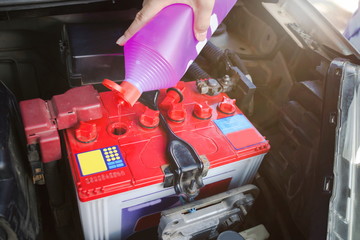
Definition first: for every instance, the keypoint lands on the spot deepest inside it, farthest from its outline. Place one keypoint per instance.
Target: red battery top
(125, 149)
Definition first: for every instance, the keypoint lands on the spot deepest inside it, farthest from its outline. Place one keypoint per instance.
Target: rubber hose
(212, 53)
(196, 72)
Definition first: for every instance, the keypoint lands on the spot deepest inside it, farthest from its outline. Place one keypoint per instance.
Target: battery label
(233, 124)
(100, 160)
(239, 131)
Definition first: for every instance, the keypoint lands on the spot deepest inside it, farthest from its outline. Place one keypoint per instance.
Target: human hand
(202, 13)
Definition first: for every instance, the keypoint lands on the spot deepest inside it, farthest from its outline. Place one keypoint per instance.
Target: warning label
(239, 131)
(233, 124)
(100, 160)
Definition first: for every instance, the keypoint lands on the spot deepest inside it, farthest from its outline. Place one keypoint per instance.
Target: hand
(202, 12)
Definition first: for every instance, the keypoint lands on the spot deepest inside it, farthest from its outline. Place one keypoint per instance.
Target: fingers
(142, 17)
(202, 12)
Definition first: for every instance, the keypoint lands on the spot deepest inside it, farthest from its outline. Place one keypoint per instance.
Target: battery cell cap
(173, 95)
(202, 111)
(86, 132)
(227, 105)
(150, 118)
(177, 112)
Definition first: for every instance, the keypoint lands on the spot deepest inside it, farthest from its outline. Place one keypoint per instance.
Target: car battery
(122, 173)
(118, 171)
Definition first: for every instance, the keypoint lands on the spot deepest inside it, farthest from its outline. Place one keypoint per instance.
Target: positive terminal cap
(202, 111)
(125, 91)
(150, 118)
(86, 132)
(177, 112)
(227, 105)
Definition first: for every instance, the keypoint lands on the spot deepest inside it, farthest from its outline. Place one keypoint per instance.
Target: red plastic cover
(42, 119)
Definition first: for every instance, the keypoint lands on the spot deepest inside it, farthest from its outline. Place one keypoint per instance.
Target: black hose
(196, 72)
(212, 53)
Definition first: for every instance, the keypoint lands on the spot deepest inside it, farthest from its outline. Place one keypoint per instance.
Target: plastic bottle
(159, 54)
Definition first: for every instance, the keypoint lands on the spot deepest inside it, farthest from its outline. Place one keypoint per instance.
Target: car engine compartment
(281, 72)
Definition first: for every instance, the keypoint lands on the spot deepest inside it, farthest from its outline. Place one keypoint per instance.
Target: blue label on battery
(100, 160)
(113, 157)
(233, 124)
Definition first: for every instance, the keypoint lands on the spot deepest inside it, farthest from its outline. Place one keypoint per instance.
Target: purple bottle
(159, 54)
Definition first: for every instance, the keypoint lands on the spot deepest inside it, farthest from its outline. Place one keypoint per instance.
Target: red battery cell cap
(173, 95)
(150, 118)
(86, 132)
(177, 112)
(202, 111)
(227, 106)
(125, 91)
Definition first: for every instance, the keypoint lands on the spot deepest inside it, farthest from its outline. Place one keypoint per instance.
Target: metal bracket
(169, 176)
(205, 218)
(36, 164)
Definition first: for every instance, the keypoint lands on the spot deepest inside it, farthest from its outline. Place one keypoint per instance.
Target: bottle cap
(126, 91)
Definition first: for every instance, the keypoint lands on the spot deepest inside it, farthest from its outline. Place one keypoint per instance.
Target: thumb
(202, 14)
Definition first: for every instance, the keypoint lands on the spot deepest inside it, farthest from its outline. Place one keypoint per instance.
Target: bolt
(212, 82)
(226, 78)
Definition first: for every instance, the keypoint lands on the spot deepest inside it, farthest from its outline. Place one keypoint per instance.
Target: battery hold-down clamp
(186, 168)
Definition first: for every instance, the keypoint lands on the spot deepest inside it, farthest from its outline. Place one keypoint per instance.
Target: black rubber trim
(194, 115)
(177, 121)
(142, 125)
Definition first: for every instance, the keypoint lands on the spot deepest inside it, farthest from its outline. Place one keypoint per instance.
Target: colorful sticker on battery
(239, 131)
(100, 160)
